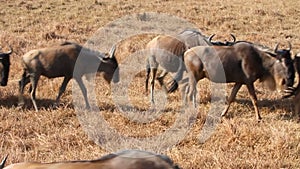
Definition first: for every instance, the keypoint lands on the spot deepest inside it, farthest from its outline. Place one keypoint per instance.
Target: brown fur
(167, 52)
(60, 61)
(242, 64)
(297, 90)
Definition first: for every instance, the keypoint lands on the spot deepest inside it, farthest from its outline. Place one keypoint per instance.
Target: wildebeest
(59, 61)
(167, 52)
(128, 159)
(241, 63)
(4, 66)
(296, 91)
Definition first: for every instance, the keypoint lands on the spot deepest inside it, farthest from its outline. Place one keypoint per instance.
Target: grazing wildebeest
(241, 63)
(4, 66)
(168, 51)
(59, 61)
(128, 159)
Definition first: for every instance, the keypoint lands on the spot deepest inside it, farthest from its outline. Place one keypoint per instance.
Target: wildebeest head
(109, 66)
(284, 56)
(4, 67)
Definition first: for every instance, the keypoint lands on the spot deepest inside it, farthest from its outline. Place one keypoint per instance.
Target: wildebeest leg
(34, 78)
(232, 96)
(154, 70)
(184, 91)
(22, 83)
(192, 90)
(83, 90)
(148, 70)
(62, 88)
(161, 80)
(251, 90)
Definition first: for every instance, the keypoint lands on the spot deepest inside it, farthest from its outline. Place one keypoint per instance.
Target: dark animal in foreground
(4, 66)
(129, 159)
(241, 64)
(60, 61)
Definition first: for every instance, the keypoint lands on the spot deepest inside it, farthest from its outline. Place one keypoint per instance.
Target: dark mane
(191, 31)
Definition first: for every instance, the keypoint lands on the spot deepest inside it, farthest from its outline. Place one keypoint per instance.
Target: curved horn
(276, 48)
(211, 36)
(233, 37)
(112, 51)
(3, 162)
(10, 51)
(290, 46)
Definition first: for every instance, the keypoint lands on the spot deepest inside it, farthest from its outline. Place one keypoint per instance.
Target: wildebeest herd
(191, 55)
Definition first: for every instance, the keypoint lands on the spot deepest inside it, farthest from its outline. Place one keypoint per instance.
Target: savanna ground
(57, 134)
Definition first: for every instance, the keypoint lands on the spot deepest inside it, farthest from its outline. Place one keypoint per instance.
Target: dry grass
(57, 134)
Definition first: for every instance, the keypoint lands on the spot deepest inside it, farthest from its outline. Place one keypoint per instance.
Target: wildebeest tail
(148, 70)
(3, 162)
(177, 78)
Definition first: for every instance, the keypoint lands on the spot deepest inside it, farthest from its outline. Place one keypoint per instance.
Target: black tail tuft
(3, 162)
(174, 86)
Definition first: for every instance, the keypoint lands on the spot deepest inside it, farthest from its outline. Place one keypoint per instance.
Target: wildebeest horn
(290, 46)
(112, 51)
(233, 37)
(10, 51)
(211, 36)
(3, 162)
(276, 48)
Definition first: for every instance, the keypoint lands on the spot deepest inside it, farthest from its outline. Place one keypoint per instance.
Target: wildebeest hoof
(20, 105)
(259, 120)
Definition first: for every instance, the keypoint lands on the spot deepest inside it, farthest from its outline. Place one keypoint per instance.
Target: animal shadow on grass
(282, 104)
(9, 101)
(286, 105)
(43, 104)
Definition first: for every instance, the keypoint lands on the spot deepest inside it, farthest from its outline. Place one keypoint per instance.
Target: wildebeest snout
(116, 76)
(3, 83)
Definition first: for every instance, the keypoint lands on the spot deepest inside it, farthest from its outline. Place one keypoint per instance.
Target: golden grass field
(57, 134)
